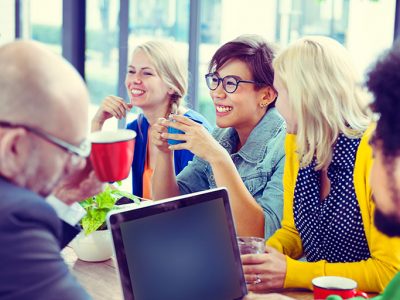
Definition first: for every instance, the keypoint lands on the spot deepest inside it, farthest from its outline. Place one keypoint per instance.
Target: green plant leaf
(98, 206)
(105, 200)
(87, 202)
(93, 220)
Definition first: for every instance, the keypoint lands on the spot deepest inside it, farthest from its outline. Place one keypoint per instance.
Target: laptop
(182, 248)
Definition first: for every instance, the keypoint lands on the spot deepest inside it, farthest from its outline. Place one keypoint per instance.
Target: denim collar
(256, 145)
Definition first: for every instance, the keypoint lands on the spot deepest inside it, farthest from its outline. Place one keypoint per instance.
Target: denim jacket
(260, 163)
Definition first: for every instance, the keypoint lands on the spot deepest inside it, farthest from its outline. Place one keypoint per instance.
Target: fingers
(181, 146)
(116, 106)
(156, 131)
(251, 259)
(174, 136)
(252, 278)
(252, 269)
(184, 120)
(257, 283)
(177, 125)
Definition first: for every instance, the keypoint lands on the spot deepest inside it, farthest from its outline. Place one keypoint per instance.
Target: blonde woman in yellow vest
(328, 207)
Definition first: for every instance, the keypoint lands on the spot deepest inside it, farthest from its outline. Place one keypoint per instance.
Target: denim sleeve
(272, 197)
(193, 178)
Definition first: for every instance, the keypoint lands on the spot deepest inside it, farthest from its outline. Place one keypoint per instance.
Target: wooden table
(101, 280)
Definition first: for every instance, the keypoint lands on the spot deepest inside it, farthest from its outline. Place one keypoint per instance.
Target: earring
(263, 104)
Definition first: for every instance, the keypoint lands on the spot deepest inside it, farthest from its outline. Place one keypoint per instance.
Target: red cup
(346, 288)
(112, 153)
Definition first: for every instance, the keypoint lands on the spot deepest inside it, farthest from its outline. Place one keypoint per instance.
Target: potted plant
(94, 242)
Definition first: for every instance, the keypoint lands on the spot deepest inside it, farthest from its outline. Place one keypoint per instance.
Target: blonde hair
(170, 68)
(324, 95)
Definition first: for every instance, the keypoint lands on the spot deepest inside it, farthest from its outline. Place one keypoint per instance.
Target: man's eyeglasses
(83, 150)
(230, 83)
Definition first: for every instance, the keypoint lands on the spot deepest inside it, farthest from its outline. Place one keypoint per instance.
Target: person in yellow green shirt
(328, 207)
(383, 82)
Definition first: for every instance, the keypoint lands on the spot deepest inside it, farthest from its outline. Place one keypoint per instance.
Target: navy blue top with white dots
(331, 229)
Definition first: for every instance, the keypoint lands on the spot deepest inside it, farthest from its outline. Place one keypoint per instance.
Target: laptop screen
(179, 249)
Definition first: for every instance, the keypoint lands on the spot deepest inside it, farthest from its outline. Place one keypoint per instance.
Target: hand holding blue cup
(176, 131)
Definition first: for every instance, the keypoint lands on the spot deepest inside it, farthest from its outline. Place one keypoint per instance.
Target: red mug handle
(360, 294)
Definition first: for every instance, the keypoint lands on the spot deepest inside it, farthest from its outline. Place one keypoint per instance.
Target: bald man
(43, 128)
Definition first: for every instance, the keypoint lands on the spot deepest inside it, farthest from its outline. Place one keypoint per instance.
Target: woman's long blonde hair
(324, 95)
(170, 68)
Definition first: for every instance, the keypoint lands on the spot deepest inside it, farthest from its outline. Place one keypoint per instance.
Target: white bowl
(96, 246)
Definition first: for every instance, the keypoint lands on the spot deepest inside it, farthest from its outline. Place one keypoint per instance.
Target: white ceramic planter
(97, 246)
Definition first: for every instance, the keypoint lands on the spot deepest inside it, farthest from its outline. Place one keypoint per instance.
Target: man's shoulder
(22, 210)
(32, 266)
(13, 196)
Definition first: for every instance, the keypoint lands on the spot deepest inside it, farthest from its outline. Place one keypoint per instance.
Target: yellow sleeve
(373, 274)
(287, 239)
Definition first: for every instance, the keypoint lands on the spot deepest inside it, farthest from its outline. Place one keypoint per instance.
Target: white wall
(371, 30)
(247, 16)
(7, 21)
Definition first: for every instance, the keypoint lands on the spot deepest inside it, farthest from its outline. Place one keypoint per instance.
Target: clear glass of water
(251, 245)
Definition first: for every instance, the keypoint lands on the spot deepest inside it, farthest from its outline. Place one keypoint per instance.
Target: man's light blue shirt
(260, 163)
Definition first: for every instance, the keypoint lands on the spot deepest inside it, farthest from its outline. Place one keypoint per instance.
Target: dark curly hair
(384, 83)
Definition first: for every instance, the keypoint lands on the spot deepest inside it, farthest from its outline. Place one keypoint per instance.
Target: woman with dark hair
(246, 153)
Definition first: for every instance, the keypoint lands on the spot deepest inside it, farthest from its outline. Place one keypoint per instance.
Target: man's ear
(15, 148)
(268, 95)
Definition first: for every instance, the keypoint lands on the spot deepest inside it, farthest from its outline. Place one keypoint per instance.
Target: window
(159, 19)
(101, 63)
(40, 25)
(7, 23)
(366, 28)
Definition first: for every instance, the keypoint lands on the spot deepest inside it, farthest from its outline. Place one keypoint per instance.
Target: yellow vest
(373, 274)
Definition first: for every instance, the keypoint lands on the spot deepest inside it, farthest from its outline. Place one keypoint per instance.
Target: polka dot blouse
(331, 229)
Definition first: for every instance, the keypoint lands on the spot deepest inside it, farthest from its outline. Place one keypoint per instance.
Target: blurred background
(97, 36)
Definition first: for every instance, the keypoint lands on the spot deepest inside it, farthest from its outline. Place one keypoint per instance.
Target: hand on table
(264, 271)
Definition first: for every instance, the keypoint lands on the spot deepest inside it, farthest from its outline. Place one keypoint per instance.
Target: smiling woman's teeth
(137, 92)
(223, 108)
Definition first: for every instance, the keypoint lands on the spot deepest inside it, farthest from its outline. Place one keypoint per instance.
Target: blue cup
(174, 131)
(177, 131)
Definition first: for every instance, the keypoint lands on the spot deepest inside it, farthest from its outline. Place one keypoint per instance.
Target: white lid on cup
(112, 136)
(334, 282)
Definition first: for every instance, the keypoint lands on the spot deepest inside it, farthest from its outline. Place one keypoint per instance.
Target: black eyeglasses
(83, 150)
(230, 83)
